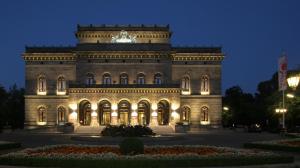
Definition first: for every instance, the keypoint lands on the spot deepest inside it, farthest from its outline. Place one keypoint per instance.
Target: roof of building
(119, 27)
(123, 47)
(49, 49)
(120, 47)
(197, 49)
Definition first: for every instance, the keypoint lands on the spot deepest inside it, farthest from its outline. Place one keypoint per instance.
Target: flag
(282, 73)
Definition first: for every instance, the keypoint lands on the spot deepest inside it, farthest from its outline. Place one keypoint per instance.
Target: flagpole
(283, 117)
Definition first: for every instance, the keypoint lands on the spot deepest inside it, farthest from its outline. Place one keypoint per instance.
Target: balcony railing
(76, 85)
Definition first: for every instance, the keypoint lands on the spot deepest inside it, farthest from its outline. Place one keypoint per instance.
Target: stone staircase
(88, 130)
(162, 129)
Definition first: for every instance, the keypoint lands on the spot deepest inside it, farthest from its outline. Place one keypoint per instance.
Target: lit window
(158, 78)
(61, 111)
(42, 115)
(106, 79)
(204, 114)
(185, 85)
(124, 79)
(61, 86)
(205, 85)
(141, 78)
(90, 79)
(42, 90)
(185, 113)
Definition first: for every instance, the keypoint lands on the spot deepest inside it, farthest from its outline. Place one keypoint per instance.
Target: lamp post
(293, 82)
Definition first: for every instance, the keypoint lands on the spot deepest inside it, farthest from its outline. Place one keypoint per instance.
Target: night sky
(253, 33)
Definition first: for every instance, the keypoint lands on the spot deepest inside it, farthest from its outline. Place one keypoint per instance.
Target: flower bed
(154, 156)
(291, 145)
(157, 150)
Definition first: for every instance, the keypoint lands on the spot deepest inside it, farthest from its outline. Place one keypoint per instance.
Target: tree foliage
(245, 108)
(12, 107)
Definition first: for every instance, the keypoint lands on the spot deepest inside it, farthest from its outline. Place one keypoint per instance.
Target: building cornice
(46, 96)
(198, 57)
(49, 56)
(200, 96)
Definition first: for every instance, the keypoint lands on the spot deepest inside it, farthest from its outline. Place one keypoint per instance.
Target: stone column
(134, 114)
(134, 118)
(73, 117)
(94, 122)
(154, 121)
(153, 115)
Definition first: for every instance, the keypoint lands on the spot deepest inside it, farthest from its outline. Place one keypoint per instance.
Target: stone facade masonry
(149, 53)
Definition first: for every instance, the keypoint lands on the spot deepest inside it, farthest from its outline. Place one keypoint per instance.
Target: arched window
(185, 85)
(204, 114)
(106, 79)
(42, 85)
(141, 78)
(185, 113)
(41, 114)
(205, 85)
(124, 79)
(90, 79)
(61, 85)
(61, 112)
(157, 78)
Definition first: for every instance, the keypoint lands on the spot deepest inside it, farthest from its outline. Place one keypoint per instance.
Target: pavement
(221, 137)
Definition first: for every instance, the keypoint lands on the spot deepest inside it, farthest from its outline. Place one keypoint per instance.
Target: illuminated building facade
(123, 74)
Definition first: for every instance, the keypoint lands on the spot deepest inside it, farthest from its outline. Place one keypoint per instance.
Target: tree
(3, 107)
(241, 107)
(15, 106)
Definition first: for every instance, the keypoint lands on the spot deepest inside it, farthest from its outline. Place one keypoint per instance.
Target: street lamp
(225, 108)
(293, 81)
(289, 95)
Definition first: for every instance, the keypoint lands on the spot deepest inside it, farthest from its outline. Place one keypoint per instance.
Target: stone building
(123, 74)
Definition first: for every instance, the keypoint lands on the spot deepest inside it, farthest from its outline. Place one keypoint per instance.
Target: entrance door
(124, 112)
(143, 112)
(124, 118)
(85, 113)
(163, 112)
(104, 112)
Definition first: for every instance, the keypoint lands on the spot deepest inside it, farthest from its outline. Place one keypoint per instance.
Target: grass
(9, 145)
(147, 163)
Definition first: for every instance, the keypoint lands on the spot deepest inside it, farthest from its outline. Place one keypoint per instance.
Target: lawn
(9, 145)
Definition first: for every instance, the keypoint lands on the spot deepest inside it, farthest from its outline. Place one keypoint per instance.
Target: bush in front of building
(131, 146)
(127, 131)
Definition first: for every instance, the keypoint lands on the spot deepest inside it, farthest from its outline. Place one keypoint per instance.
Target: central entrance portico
(128, 106)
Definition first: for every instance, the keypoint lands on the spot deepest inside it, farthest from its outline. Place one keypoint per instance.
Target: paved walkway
(228, 138)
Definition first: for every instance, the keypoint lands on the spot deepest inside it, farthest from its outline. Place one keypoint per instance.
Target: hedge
(272, 147)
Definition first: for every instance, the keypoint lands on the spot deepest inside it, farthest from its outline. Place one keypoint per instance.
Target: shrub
(131, 146)
(127, 131)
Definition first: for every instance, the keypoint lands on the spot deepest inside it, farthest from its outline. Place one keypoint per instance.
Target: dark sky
(253, 33)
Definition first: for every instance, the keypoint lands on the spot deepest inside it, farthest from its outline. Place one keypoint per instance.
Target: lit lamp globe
(293, 81)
